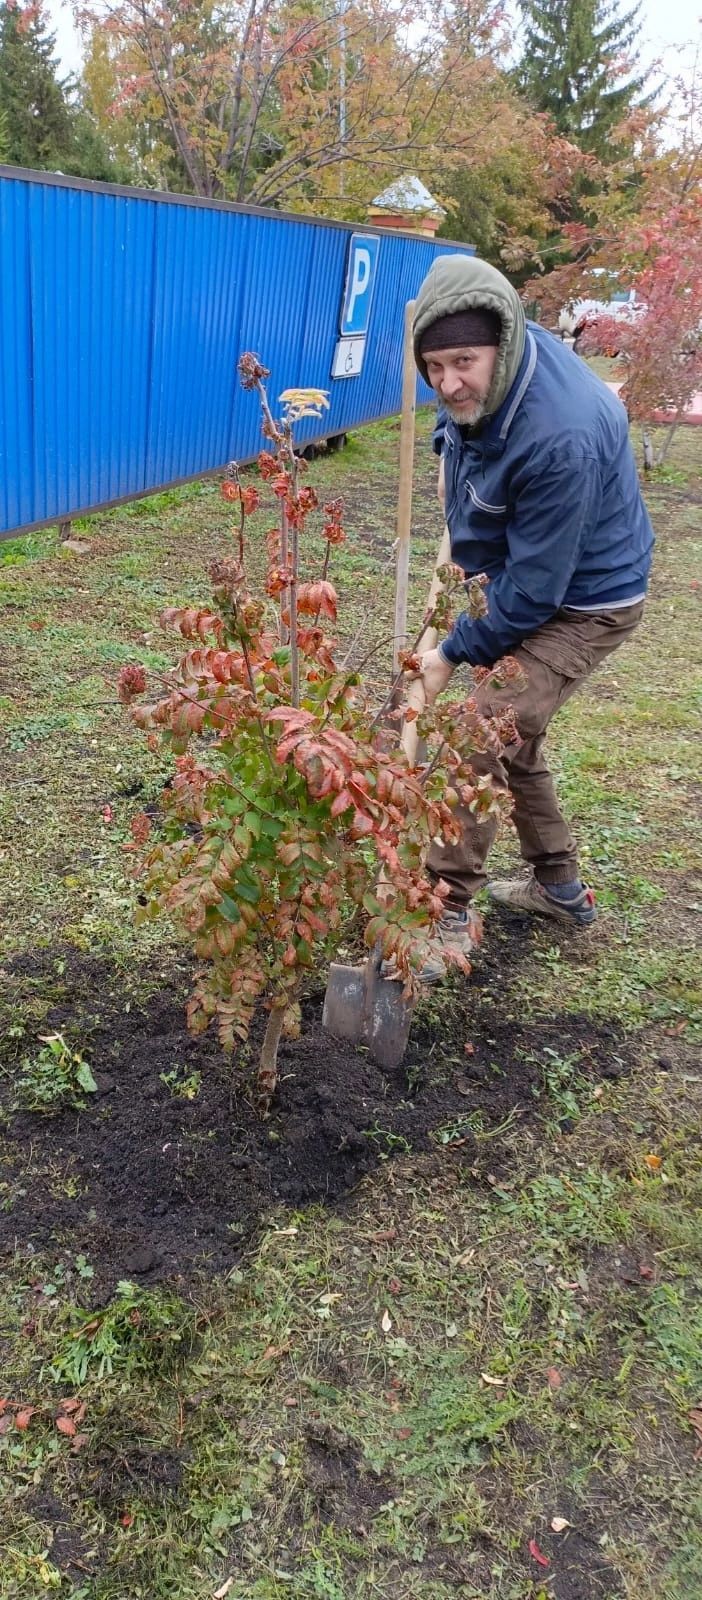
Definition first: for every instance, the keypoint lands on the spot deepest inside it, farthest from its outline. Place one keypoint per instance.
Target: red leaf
(66, 1425)
(126, 1519)
(538, 1554)
(24, 1417)
(554, 1377)
(80, 1440)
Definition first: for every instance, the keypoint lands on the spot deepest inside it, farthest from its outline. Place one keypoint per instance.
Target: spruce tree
(41, 125)
(36, 114)
(579, 65)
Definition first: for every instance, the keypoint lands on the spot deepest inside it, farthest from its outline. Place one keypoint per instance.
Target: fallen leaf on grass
(559, 1523)
(126, 1519)
(69, 1406)
(538, 1554)
(394, 1286)
(654, 1162)
(385, 1236)
(77, 1443)
(5, 1424)
(24, 1417)
(645, 1271)
(554, 1377)
(223, 1589)
(403, 1433)
(66, 1425)
(386, 1322)
(498, 1383)
(469, 1049)
(272, 1351)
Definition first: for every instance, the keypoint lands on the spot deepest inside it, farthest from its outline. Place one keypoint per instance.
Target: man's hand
(436, 674)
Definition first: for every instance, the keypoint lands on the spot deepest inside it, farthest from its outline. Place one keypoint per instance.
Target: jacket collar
(494, 435)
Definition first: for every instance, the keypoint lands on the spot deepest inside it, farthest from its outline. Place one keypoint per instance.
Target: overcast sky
(666, 24)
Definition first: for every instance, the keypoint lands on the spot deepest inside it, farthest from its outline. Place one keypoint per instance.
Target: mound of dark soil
(149, 1185)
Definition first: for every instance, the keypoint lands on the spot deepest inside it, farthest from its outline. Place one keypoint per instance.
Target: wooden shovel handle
(415, 697)
(404, 498)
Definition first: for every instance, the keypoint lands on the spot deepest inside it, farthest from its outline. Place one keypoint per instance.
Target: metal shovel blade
(362, 1006)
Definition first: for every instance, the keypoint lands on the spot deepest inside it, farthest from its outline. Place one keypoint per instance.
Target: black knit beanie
(462, 328)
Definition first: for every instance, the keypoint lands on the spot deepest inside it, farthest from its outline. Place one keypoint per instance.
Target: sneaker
(527, 894)
(462, 930)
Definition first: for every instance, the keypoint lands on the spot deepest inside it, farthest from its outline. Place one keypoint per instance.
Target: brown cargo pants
(555, 661)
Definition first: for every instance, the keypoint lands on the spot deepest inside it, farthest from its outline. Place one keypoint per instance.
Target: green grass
(395, 1397)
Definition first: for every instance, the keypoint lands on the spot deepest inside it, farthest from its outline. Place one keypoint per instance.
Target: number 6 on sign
(348, 358)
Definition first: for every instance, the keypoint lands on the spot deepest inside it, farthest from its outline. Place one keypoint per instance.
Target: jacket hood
(459, 283)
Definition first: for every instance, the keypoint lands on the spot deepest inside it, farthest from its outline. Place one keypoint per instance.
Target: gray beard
(459, 414)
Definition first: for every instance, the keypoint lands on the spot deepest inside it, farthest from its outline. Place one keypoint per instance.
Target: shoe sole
(551, 915)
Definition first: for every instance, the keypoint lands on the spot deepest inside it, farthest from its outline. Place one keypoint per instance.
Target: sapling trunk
(662, 453)
(268, 1059)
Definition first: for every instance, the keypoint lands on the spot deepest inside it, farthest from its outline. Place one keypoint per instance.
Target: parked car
(621, 305)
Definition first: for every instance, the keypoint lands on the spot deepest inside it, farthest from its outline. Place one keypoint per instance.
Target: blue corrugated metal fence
(122, 316)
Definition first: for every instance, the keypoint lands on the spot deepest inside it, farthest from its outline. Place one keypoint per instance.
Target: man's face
(462, 378)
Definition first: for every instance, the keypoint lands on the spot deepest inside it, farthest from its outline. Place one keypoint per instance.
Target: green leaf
(247, 890)
(271, 828)
(229, 909)
(85, 1077)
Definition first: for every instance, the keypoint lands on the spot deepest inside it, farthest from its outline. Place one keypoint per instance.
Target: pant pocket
(567, 648)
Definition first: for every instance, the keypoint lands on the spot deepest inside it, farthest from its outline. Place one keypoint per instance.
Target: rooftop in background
(406, 203)
(409, 195)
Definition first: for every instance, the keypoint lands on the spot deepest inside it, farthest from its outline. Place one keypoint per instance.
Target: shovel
(359, 1004)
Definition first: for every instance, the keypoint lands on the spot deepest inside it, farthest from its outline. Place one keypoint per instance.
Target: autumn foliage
(290, 793)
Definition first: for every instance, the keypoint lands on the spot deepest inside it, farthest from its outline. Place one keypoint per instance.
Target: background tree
(41, 121)
(579, 64)
(645, 231)
(295, 103)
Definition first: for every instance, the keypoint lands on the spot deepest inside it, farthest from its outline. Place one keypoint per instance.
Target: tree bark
(268, 1060)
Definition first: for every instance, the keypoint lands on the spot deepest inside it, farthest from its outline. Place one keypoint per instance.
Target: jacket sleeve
(552, 516)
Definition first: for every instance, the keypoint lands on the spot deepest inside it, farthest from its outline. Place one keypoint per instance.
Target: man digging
(542, 495)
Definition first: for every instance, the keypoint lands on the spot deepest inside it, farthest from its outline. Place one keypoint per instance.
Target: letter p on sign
(360, 282)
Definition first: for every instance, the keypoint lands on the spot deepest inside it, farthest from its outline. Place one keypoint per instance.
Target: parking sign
(360, 283)
(356, 304)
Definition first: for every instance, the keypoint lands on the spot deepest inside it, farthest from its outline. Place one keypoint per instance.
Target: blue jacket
(545, 499)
